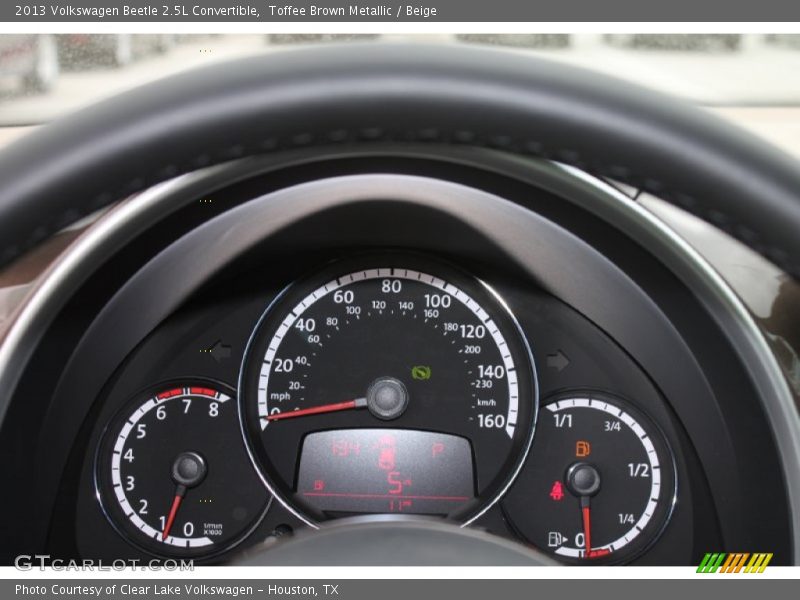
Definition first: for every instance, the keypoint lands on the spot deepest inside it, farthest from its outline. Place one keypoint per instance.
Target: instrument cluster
(385, 382)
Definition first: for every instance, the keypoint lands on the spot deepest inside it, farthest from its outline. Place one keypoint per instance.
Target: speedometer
(388, 385)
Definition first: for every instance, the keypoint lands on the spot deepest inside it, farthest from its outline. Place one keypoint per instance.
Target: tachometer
(172, 475)
(388, 385)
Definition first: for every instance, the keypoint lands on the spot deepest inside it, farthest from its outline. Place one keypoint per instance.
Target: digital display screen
(385, 471)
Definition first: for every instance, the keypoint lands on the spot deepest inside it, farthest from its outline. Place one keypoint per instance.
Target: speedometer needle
(315, 410)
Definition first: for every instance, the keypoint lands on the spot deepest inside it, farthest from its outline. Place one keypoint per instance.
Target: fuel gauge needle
(586, 510)
(583, 480)
(315, 410)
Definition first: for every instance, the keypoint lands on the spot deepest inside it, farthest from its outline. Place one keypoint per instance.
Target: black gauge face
(172, 473)
(599, 483)
(388, 385)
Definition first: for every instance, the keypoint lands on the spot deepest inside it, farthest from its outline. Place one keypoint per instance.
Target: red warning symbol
(557, 491)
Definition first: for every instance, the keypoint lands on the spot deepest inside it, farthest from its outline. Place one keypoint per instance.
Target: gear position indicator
(385, 470)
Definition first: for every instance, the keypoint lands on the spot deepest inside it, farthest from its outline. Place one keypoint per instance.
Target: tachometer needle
(180, 492)
(315, 410)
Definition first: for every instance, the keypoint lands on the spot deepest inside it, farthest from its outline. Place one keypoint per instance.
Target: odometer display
(385, 470)
(423, 349)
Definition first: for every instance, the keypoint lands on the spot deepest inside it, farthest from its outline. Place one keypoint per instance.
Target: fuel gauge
(599, 483)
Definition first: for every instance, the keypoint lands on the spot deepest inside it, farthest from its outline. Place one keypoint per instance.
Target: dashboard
(500, 343)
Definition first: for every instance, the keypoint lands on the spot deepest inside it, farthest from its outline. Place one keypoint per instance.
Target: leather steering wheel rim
(392, 540)
(396, 92)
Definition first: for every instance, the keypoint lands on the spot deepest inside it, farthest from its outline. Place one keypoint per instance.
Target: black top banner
(288, 11)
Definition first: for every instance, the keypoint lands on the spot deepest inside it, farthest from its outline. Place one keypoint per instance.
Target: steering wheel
(392, 540)
(399, 93)
(396, 93)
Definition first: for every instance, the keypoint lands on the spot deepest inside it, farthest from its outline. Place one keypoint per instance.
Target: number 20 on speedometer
(388, 384)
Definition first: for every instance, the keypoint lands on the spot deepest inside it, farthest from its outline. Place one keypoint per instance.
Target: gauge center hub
(387, 398)
(189, 469)
(583, 479)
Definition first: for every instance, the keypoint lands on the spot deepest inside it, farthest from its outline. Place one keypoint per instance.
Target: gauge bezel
(397, 259)
(665, 507)
(111, 510)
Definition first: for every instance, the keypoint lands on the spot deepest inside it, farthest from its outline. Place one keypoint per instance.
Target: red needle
(176, 503)
(586, 511)
(315, 410)
(587, 524)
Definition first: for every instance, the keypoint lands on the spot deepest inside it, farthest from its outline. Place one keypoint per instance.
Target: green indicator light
(421, 372)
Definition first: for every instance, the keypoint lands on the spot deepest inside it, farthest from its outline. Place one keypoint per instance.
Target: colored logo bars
(734, 562)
